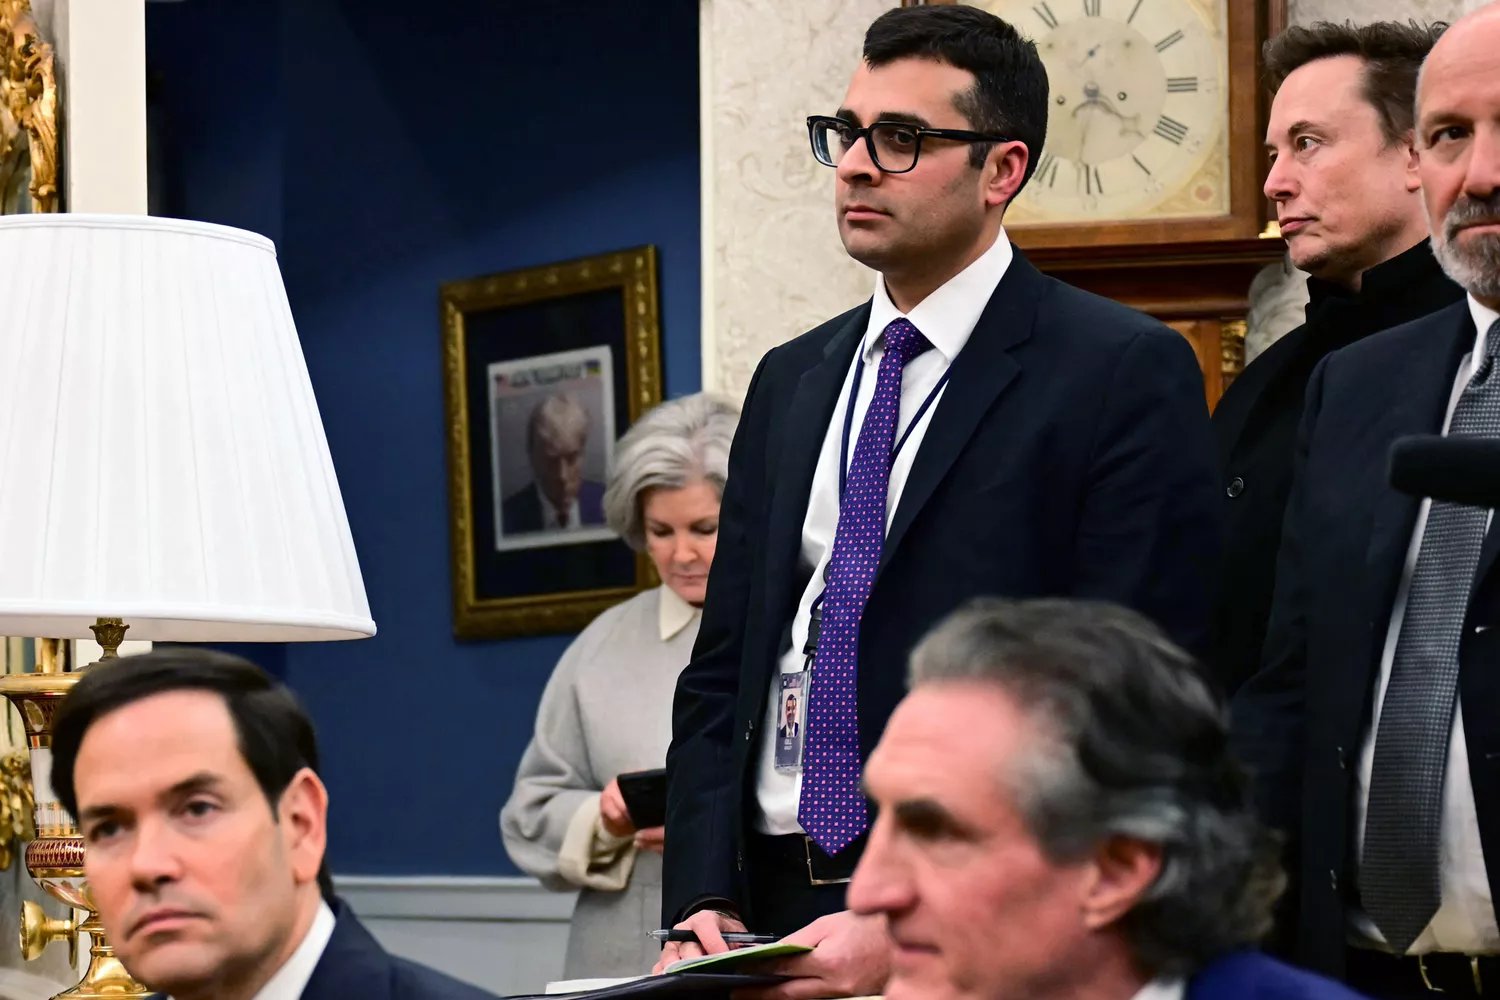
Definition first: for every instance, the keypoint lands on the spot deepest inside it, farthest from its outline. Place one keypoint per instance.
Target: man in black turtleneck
(1344, 179)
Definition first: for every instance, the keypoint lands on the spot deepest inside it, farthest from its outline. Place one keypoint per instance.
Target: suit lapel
(1425, 378)
(801, 437)
(352, 963)
(980, 374)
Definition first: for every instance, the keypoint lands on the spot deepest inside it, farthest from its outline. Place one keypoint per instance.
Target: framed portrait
(545, 368)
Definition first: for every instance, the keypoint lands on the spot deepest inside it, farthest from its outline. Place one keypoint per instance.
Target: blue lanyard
(916, 419)
(815, 612)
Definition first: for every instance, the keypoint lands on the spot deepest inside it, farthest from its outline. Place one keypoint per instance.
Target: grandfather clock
(1148, 188)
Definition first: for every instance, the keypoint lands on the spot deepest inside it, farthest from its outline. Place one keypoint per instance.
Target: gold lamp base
(56, 863)
(55, 857)
(105, 976)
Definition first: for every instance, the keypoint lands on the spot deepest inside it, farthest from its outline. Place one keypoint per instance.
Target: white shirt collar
(673, 614)
(550, 519)
(1484, 318)
(1163, 989)
(950, 313)
(291, 979)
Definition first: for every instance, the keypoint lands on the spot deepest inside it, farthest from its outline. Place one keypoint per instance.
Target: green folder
(736, 957)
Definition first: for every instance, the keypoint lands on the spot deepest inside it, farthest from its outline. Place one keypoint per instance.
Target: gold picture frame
(585, 335)
(29, 115)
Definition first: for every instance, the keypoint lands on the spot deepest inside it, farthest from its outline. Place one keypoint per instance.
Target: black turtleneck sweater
(1256, 427)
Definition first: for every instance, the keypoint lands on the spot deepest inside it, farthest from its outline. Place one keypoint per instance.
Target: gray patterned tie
(1399, 879)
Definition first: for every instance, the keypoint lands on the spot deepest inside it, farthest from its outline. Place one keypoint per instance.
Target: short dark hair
(1009, 96)
(276, 737)
(1392, 54)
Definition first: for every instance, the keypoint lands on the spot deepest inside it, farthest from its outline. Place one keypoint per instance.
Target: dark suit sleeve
(1149, 532)
(1267, 715)
(701, 780)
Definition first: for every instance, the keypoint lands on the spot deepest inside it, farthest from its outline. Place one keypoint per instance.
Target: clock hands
(1093, 98)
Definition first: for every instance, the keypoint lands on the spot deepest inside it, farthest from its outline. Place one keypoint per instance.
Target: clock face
(1138, 109)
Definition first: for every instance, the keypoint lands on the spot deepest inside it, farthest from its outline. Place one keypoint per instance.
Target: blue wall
(389, 147)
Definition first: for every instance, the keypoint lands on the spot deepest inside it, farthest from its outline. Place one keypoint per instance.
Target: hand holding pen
(705, 932)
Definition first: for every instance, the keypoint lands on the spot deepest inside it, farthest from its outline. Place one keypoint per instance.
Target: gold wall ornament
(55, 858)
(29, 114)
(16, 806)
(1232, 349)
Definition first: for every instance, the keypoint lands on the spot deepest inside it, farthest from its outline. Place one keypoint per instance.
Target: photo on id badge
(791, 728)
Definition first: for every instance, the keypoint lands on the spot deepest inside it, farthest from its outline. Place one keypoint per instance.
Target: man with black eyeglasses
(975, 428)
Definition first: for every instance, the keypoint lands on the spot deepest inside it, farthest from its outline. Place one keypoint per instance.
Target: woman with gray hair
(608, 708)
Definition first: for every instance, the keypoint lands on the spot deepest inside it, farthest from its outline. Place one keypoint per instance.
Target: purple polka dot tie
(831, 808)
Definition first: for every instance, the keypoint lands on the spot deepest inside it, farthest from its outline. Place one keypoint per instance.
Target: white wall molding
(505, 935)
(453, 897)
(102, 51)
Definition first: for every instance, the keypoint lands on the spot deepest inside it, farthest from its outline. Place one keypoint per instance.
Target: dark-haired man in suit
(1372, 724)
(974, 428)
(193, 776)
(1343, 177)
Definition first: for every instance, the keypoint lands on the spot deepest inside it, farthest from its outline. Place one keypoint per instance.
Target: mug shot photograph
(552, 420)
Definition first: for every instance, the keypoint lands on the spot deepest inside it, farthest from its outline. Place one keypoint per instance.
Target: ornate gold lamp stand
(55, 857)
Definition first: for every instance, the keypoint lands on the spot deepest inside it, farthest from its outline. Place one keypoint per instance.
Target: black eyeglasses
(893, 146)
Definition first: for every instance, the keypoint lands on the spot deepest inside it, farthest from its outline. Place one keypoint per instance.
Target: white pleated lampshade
(161, 455)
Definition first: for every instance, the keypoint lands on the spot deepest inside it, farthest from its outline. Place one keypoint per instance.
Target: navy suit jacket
(1250, 976)
(1300, 722)
(522, 510)
(354, 965)
(1069, 456)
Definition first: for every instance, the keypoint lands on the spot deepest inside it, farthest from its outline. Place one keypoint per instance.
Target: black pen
(730, 937)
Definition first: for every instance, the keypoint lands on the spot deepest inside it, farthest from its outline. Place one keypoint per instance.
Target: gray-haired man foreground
(1059, 817)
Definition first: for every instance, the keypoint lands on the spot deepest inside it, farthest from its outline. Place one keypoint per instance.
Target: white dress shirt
(1465, 921)
(291, 979)
(1163, 989)
(552, 520)
(945, 318)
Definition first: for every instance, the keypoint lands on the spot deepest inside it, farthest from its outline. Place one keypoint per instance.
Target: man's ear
(1413, 161)
(1005, 170)
(303, 816)
(1123, 869)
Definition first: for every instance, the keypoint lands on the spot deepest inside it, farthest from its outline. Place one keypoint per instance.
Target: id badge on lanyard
(792, 697)
(791, 712)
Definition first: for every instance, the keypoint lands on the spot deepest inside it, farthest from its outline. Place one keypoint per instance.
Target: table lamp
(163, 474)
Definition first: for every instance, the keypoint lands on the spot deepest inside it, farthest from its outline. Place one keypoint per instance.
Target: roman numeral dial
(1137, 111)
